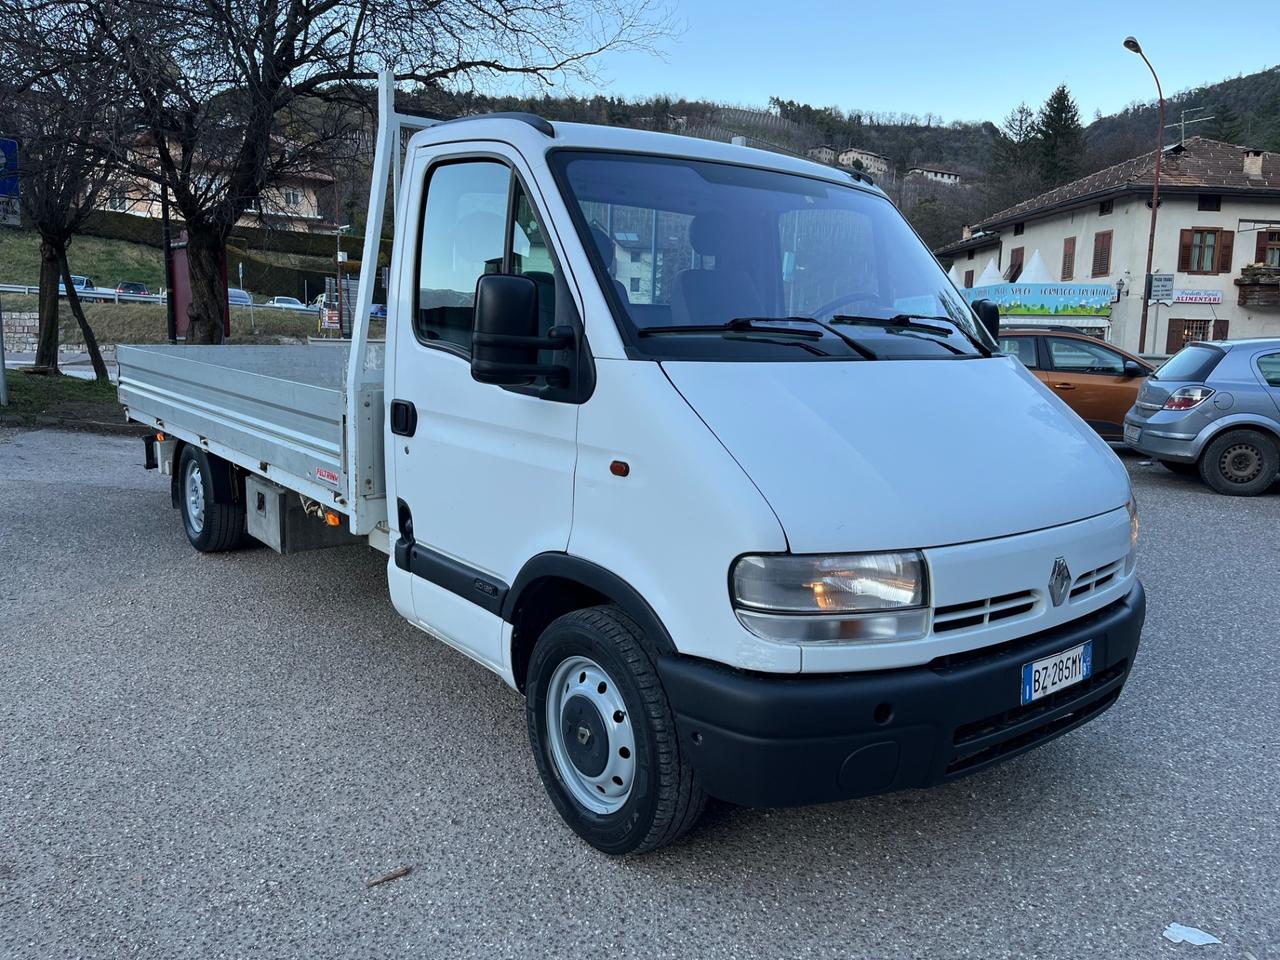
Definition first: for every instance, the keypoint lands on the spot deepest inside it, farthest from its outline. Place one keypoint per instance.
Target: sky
(962, 61)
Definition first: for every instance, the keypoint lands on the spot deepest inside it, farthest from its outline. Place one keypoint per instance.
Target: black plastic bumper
(769, 740)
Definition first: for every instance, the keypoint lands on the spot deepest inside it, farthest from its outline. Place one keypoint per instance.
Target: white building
(823, 154)
(934, 175)
(873, 163)
(1219, 216)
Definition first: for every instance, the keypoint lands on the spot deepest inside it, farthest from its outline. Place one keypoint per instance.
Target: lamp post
(1131, 44)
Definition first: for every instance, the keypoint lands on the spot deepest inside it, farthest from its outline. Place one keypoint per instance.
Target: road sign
(10, 211)
(1161, 288)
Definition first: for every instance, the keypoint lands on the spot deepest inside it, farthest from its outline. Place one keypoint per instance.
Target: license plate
(1043, 677)
(1132, 434)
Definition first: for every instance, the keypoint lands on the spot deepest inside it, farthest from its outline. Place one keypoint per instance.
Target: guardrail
(94, 295)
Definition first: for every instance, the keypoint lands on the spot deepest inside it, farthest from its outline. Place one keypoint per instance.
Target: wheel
(211, 527)
(604, 737)
(1186, 469)
(1240, 463)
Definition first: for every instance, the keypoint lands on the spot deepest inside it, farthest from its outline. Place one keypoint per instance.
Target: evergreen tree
(1061, 137)
(1227, 125)
(1014, 172)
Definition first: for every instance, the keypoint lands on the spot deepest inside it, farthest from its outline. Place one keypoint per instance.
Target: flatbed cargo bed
(275, 410)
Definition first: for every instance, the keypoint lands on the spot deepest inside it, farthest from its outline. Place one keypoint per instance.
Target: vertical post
(4, 381)
(1132, 45)
(171, 319)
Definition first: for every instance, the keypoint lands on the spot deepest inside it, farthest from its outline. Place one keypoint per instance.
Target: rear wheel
(1186, 469)
(604, 737)
(1241, 463)
(211, 527)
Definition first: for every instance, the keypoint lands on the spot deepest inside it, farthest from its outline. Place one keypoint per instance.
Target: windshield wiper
(863, 351)
(736, 325)
(913, 321)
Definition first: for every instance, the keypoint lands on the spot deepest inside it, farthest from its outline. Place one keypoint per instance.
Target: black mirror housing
(505, 341)
(1132, 368)
(989, 313)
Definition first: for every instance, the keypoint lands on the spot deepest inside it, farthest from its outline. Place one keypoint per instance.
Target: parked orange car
(1097, 380)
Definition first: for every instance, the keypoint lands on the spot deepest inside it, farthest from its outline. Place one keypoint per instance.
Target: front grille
(977, 613)
(1094, 580)
(1084, 708)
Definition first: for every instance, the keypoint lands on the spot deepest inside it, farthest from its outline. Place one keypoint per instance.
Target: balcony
(1259, 287)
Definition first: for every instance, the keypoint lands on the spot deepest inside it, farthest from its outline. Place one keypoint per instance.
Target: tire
(612, 764)
(211, 527)
(1240, 463)
(1185, 469)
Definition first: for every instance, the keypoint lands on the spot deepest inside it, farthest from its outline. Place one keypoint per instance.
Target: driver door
(482, 475)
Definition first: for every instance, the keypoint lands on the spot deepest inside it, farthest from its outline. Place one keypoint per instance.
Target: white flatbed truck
(696, 446)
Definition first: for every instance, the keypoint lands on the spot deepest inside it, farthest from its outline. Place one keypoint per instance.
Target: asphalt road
(209, 756)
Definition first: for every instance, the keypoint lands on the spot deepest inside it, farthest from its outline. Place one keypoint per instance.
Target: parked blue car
(1214, 409)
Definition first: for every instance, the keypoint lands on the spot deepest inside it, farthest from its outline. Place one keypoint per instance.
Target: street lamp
(1131, 44)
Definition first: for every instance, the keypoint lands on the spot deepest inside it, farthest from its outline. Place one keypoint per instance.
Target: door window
(462, 239)
(1024, 348)
(1081, 356)
(1269, 367)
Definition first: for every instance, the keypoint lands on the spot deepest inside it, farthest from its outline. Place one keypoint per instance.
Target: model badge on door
(1059, 581)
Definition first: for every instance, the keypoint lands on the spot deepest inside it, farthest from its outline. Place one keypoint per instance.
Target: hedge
(115, 225)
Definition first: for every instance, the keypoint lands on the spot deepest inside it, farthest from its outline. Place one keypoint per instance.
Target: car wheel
(603, 735)
(211, 527)
(1186, 469)
(1240, 463)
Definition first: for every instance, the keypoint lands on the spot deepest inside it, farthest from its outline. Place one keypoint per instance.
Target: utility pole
(1133, 46)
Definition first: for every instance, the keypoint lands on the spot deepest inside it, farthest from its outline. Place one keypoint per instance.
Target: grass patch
(35, 399)
(106, 261)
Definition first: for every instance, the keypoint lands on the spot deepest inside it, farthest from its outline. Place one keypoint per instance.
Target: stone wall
(21, 331)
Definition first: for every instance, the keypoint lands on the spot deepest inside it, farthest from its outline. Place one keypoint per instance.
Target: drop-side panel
(275, 405)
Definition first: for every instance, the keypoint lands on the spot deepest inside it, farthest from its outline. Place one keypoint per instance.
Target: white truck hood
(904, 453)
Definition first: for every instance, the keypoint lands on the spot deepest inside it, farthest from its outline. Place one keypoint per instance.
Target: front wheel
(604, 737)
(1240, 463)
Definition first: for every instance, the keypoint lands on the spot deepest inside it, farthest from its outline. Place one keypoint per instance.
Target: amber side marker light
(159, 438)
(620, 468)
(331, 518)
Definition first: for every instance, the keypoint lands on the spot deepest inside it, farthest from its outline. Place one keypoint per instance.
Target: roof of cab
(527, 136)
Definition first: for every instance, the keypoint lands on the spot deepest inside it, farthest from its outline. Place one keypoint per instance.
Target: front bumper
(761, 740)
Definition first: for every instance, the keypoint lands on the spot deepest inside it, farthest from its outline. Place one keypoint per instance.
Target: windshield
(707, 260)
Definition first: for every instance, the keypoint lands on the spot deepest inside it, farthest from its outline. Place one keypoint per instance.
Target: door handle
(404, 418)
(1064, 386)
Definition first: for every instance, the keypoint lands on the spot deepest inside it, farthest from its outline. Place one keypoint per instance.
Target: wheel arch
(1238, 422)
(552, 584)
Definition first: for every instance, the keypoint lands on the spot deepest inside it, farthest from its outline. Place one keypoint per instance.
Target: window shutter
(1226, 246)
(1102, 253)
(968, 279)
(1175, 339)
(1220, 328)
(1068, 258)
(1184, 251)
(1015, 264)
(1260, 251)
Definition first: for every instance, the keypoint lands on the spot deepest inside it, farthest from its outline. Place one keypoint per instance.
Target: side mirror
(1132, 368)
(505, 344)
(989, 313)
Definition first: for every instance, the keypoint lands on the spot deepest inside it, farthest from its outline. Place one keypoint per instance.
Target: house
(1217, 233)
(873, 163)
(292, 203)
(823, 154)
(934, 175)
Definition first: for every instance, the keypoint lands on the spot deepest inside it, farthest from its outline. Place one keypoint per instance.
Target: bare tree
(61, 112)
(237, 94)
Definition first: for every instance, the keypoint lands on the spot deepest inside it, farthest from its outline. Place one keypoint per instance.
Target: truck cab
(697, 447)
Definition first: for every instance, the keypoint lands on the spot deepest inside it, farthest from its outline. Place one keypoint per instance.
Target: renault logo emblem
(1059, 581)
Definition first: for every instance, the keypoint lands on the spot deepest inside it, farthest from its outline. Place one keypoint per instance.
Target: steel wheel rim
(1240, 463)
(194, 487)
(578, 686)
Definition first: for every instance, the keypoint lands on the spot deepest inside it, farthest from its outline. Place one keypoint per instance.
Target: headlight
(838, 598)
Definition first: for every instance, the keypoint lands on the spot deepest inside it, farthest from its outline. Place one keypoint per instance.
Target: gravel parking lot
(208, 756)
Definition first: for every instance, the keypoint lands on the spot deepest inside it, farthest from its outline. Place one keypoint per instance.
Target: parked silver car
(1214, 409)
